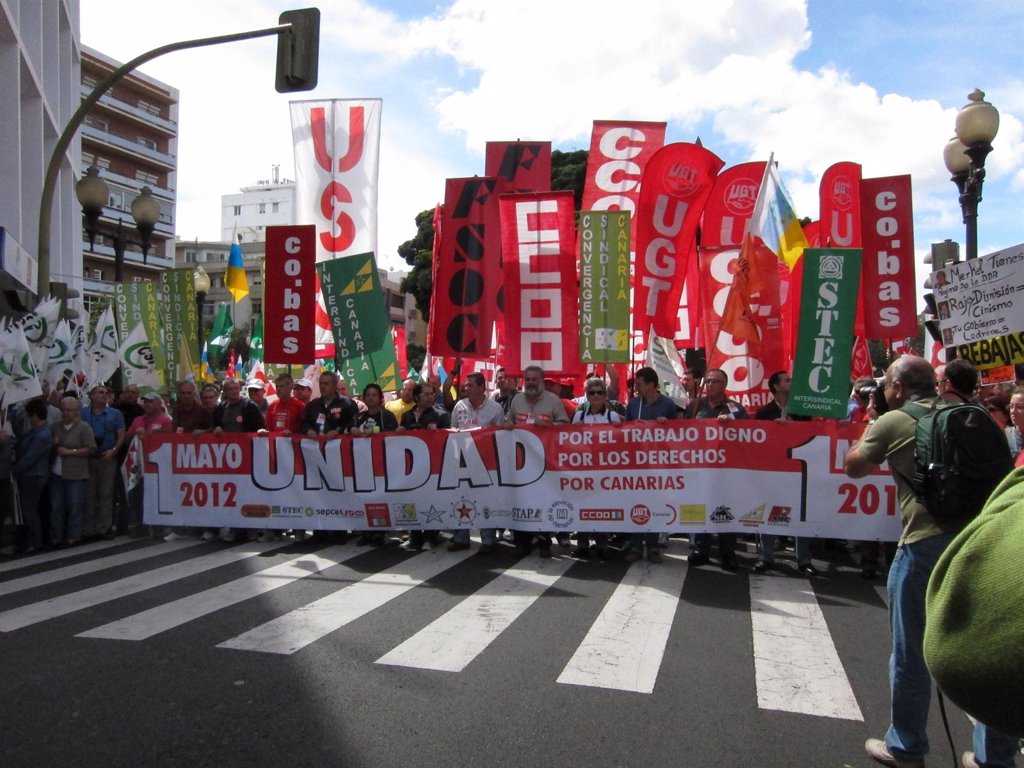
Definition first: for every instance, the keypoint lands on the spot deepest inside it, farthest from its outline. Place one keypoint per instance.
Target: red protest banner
(289, 299)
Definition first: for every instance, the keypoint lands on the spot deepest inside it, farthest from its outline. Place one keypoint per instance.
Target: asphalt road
(142, 653)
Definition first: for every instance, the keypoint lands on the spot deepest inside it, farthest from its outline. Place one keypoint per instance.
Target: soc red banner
(467, 274)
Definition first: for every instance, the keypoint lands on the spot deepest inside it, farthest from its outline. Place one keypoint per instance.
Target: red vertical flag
(289, 301)
(524, 166)
(468, 274)
(888, 286)
(619, 152)
(539, 252)
(676, 186)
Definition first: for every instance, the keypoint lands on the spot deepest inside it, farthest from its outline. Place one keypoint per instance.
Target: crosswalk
(622, 646)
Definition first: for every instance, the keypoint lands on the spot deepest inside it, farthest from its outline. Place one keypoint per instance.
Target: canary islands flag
(234, 278)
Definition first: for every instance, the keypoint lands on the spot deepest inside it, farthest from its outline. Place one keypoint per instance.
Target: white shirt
(465, 416)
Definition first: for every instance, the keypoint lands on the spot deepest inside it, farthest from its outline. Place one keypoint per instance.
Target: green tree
(568, 172)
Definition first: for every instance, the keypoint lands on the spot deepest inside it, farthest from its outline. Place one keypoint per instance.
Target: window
(147, 142)
(89, 81)
(147, 178)
(238, 210)
(116, 199)
(274, 207)
(98, 124)
(103, 163)
(263, 207)
(256, 308)
(145, 106)
(190, 257)
(88, 159)
(96, 274)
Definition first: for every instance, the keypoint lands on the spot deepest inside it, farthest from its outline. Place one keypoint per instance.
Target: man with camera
(892, 437)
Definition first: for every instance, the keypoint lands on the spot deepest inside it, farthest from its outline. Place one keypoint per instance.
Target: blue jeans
(766, 549)
(67, 506)
(30, 491)
(911, 685)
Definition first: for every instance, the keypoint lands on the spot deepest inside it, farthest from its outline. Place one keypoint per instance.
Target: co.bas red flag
(888, 287)
(539, 254)
(676, 186)
(467, 274)
(289, 302)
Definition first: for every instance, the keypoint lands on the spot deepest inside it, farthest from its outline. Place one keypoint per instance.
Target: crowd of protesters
(66, 452)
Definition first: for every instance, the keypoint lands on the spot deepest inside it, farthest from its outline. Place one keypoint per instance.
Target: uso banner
(619, 152)
(337, 146)
(604, 286)
(525, 166)
(364, 349)
(539, 256)
(676, 185)
(289, 295)
(888, 288)
(467, 269)
(679, 477)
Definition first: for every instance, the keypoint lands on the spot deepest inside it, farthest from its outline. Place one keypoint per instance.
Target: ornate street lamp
(976, 126)
(92, 194)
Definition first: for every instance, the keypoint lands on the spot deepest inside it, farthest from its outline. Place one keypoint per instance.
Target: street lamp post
(92, 193)
(976, 126)
(202, 284)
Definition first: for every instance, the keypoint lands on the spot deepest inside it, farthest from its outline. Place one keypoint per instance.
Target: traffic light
(298, 51)
(943, 254)
(65, 295)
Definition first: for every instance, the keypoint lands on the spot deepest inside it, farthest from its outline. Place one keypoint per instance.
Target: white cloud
(478, 70)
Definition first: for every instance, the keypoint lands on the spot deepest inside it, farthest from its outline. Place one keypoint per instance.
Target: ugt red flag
(676, 186)
(539, 255)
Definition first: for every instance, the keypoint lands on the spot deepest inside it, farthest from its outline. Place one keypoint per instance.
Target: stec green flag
(828, 306)
(364, 349)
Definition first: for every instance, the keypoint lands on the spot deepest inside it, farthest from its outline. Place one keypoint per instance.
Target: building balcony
(133, 148)
(143, 117)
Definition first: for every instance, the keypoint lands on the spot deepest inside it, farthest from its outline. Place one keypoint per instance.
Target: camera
(876, 389)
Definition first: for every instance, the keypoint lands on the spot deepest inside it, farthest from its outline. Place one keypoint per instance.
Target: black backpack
(960, 455)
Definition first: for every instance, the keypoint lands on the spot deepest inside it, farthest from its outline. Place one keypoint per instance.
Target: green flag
(220, 333)
(256, 342)
(365, 351)
(828, 306)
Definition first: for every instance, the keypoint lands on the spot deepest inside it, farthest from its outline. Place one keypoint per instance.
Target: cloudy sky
(874, 82)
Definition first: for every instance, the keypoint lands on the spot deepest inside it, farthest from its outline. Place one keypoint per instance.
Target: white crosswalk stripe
(164, 617)
(795, 666)
(91, 566)
(796, 663)
(624, 647)
(451, 642)
(294, 631)
(33, 613)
